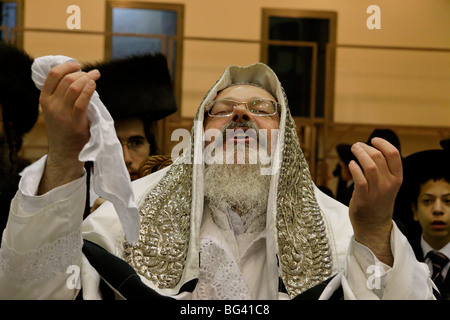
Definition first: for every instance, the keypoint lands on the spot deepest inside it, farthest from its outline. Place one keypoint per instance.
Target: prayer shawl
(167, 252)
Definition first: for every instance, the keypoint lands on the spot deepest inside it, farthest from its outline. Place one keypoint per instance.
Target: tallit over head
(167, 252)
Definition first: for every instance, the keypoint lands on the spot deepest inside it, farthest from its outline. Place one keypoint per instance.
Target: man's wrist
(378, 240)
(59, 171)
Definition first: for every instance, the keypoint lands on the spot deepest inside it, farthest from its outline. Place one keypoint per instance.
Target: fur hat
(136, 86)
(19, 97)
(345, 153)
(445, 144)
(386, 134)
(344, 149)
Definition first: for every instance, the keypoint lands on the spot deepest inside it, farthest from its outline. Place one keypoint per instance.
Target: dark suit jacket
(415, 244)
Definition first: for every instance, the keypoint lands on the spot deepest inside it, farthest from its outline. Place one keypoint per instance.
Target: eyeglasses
(135, 145)
(258, 107)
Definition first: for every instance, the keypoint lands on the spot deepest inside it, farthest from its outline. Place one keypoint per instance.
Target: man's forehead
(245, 90)
(129, 127)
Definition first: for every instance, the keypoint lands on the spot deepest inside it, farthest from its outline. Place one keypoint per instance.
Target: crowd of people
(211, 230)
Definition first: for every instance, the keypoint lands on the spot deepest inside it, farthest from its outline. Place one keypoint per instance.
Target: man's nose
(126, 155)
(438, 208)
(241, 113)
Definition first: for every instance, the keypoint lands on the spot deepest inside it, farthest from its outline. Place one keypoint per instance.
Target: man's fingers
(72, 84)
(368, 159)
(82, 102)
(56, 74)
(74, 91)
(391, 154)
(380, 165)
(359, 179)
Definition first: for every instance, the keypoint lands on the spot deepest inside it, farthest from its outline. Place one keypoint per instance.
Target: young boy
(426, 188)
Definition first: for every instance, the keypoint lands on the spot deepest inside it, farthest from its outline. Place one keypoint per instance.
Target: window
(11, 14)
(156, 26)
(301, 62)
(144, 21)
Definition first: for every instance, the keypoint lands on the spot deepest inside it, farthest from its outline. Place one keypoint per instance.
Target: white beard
(241, 192)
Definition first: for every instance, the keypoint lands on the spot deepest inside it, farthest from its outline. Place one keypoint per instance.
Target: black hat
(345, 153)
(19, 97)
(445, 144)
(386, 134)
(424, 165)
(136, 86)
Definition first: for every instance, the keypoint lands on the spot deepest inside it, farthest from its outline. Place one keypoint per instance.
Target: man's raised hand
(64, 100)
(377, 180)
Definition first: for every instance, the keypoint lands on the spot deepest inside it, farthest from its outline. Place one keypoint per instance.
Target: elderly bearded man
(214, 231)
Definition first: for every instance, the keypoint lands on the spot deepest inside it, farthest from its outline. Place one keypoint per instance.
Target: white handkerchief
(111, 180)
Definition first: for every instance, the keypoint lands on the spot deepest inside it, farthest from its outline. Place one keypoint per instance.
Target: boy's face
(432, 211)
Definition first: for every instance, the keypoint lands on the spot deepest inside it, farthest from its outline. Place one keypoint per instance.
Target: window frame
(330, 54)
(17, 36)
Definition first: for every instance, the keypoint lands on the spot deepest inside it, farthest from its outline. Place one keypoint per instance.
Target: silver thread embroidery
(160, 253)
(303, 245)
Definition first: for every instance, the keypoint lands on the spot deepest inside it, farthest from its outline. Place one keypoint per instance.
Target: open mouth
(240, 135)
(438, 224)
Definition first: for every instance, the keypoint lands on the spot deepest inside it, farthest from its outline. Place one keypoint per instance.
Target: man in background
(138, 92)
(19, 109)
